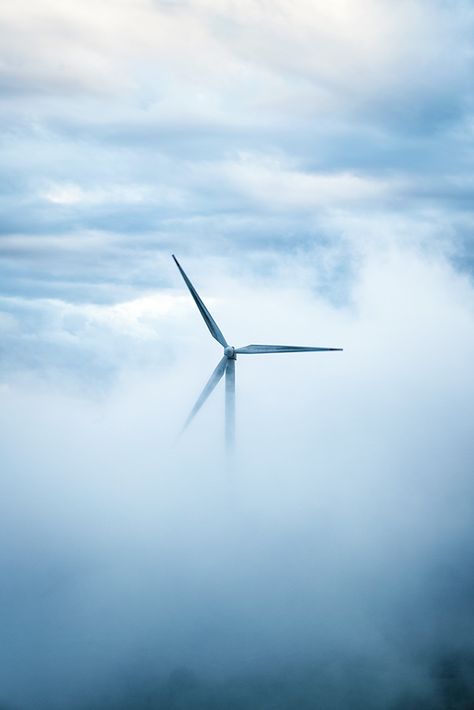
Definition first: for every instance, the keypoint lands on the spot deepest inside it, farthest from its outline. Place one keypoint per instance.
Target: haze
(311, 167)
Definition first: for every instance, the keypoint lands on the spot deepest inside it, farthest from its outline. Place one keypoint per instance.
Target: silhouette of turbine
(227, 364)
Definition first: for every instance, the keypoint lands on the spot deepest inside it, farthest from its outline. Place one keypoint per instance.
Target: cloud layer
(311, 165)
(137, 126)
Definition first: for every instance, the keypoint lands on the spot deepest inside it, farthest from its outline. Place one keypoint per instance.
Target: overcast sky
(310, 163)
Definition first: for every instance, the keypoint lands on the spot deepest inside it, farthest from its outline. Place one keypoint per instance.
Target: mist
(310, 164)
(327, 565)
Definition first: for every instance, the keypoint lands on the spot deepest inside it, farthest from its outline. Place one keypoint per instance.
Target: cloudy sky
(310, 163)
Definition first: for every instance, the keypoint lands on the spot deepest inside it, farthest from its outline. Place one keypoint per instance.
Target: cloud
(71, 194)
(343, 532)
(175, 124)
(311, 166)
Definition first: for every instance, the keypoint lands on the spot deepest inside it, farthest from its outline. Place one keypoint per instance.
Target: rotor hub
(229, 352)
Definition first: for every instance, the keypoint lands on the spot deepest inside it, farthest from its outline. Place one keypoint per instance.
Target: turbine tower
(227, 364)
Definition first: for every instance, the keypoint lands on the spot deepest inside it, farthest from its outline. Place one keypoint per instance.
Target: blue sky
(310, 163)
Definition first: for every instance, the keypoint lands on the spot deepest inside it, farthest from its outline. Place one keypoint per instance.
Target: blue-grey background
(310, 163)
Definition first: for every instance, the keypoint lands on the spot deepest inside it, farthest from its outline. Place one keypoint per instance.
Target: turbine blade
(208, 388)
(208, 319)
(257, 349)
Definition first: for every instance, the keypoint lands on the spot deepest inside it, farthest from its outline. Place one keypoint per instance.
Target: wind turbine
(227, 364)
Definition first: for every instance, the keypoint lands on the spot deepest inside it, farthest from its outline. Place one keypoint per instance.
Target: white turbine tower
(227, 364)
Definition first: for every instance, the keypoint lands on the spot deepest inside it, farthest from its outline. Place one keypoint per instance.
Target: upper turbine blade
(257, 349)
(209, 386)
(209, 320)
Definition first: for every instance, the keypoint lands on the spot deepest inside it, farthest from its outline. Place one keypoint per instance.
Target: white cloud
(73, 194)
(271, 183)
(349, 51)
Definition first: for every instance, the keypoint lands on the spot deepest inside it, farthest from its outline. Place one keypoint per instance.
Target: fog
(327, 565)
(310, 164)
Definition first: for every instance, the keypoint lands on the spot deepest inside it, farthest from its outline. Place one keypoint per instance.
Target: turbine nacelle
(229, 352)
